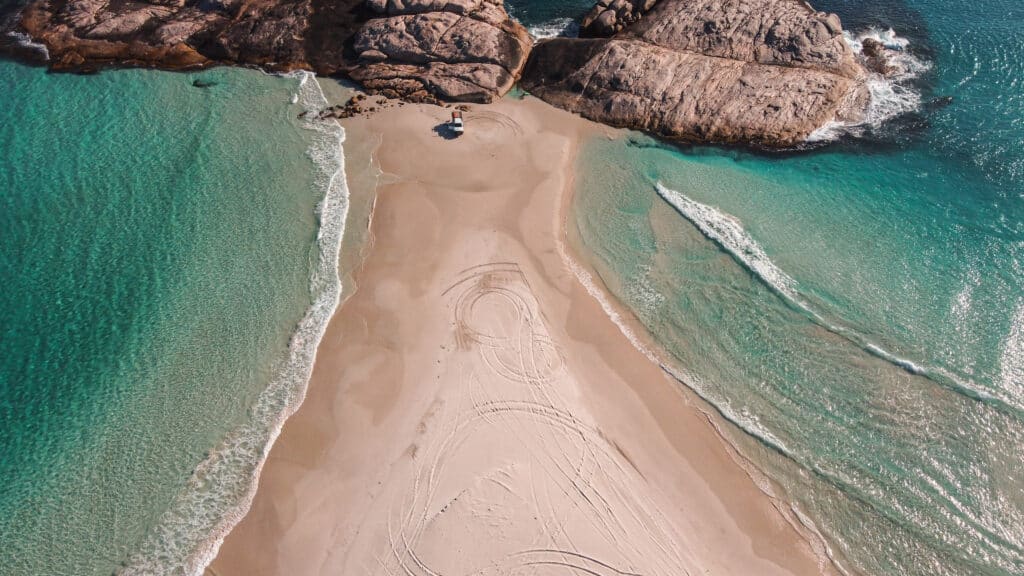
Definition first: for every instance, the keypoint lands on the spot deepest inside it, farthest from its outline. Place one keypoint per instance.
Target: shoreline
(573, 253)
(216, 493)
(577, 351)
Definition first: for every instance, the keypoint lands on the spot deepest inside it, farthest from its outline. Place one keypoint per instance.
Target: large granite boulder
(761, 72)
(274, 34)
(466, 50)
(469, 50)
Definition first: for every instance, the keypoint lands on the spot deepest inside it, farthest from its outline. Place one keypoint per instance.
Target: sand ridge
(474, 411)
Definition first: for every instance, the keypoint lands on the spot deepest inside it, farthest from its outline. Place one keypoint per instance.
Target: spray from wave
(25, 41)
(890, 85)
(222, 487)
(729, 234)
(557, 28)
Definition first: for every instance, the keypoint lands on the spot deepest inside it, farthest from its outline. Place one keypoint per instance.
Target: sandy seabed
(474, 411)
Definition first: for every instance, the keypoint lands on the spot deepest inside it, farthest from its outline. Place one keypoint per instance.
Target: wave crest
(557, 28)
(729, 234)
(220, 491)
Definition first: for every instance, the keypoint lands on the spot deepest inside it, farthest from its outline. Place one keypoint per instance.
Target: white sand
(473, 409)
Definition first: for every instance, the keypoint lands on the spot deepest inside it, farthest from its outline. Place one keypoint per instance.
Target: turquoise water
(857, 312)
(167, 268)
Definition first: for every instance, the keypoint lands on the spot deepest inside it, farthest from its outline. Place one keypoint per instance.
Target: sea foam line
(745, 422)
(728, 233)
(220, 491)
(749, 425)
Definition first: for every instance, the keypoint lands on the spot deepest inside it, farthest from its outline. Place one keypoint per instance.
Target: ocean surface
(169, 260)
(854, 312)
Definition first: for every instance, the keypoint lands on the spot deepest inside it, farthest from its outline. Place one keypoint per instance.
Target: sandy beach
(473, 408)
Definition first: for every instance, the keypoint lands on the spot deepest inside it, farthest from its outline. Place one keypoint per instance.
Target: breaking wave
(557, 28)
(728, 233)
(891, 95)
(25, 41)
(222, 487)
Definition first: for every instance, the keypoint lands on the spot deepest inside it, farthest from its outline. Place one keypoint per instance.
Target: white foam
(728, 232)
(558, 28)
(901, 362)
(891, 95)
(25, 41)
(221, 489)
(745, 422)
(1011, 365)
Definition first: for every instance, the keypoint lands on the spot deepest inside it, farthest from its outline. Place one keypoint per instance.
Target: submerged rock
(761, 72)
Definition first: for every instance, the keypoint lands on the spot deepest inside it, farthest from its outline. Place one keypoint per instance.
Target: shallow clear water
(858, 311)
(157, 244)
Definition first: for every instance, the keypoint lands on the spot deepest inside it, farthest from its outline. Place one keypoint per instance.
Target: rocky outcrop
(609, 17)
(762, 72)
(84, 35)
(415, 49)
(467, 50)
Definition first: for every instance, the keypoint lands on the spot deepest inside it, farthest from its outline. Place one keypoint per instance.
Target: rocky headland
(418, 50)
(758, 72)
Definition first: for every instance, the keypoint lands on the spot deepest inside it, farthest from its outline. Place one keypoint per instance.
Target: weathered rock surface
(417, 49)
(85, 35)
(608, 17)
(762, 72)
(467, 50)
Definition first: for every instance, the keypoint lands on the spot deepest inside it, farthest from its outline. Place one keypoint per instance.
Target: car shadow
(444, 130)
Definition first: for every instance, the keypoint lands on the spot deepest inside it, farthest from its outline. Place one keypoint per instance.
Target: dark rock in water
(199, 83)
(609, 17)
(876, 57)
(872, 48)
(938, 103)
(707, 71)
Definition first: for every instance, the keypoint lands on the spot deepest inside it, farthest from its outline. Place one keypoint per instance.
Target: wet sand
(474, 410)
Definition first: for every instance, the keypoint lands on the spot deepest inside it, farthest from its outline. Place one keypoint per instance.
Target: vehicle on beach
(456, 123)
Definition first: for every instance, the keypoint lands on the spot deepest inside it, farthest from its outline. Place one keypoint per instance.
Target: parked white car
(456, 124)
